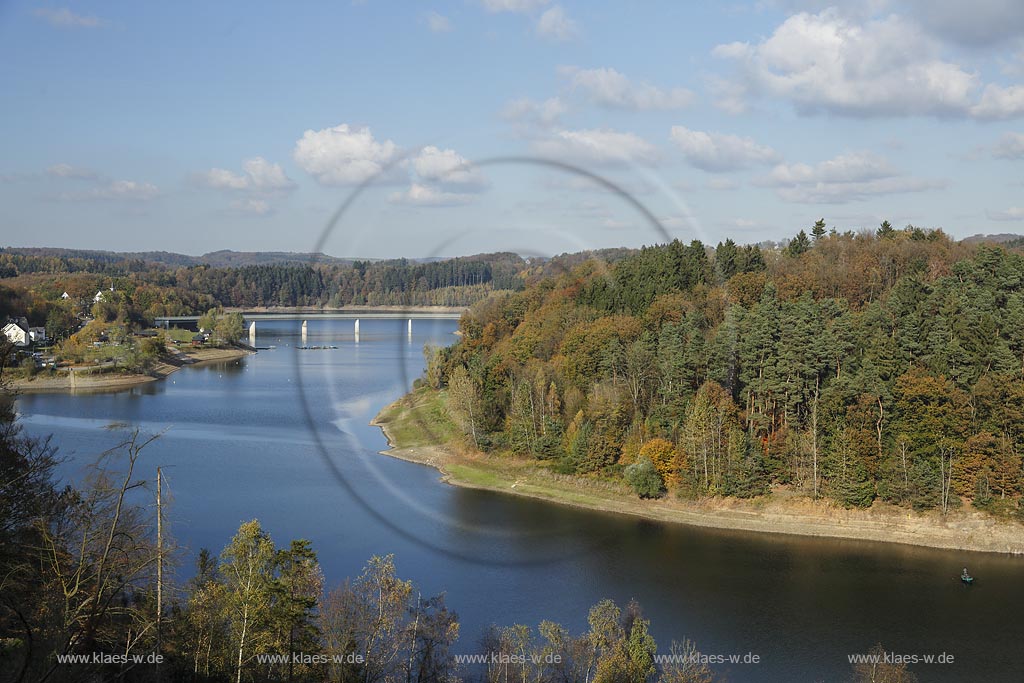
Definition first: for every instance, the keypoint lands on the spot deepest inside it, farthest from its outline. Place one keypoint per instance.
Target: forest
(87, 595)
(885, 365)
(137, 290)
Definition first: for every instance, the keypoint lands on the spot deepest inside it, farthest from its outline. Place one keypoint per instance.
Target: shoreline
(86, 382)
(969, 530)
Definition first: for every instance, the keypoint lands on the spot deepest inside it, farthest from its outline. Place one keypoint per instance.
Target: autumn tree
(247, 565)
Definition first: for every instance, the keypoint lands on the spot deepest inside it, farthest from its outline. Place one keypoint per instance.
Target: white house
(99, 294)
(37, 334)
(65, 295)
(16, 334)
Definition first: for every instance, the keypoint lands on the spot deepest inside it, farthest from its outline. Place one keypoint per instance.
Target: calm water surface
(238, 445)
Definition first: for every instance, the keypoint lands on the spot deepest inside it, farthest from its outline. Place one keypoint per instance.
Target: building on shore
(17, 334)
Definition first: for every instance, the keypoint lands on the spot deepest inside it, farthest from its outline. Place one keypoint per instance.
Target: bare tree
(100, 556)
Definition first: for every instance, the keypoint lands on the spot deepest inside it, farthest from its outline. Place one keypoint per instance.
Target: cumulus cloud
(610, 88)
(438, 23)
(998, 102)
(555, 24)
(446, 167)
(1010, 146)
(258, 176)
(128, 190)
(847, 177)
(343, 155)
(979, 23)
(526, 111)
(719, 153)
(601, 146)
(440, 177)
(1014, 213)
(65, 18)
(829, 62)
(425, 195)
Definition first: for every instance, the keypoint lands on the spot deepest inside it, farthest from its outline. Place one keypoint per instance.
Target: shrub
(644, 478)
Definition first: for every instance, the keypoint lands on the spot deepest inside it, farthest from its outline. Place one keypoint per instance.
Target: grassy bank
(418, 429)
(85, 380)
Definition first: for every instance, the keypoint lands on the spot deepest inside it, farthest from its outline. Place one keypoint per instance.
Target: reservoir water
(239, 443)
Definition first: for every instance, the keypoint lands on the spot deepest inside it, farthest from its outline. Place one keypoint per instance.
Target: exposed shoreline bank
(968, 530)
(86, 382)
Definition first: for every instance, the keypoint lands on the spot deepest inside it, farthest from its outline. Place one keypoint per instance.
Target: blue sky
(192, 127)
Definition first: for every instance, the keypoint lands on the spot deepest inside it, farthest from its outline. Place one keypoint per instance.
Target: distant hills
(227, 258)
(224, 258)
(1002, 238)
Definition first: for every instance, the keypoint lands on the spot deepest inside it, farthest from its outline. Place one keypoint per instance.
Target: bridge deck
(389, 315)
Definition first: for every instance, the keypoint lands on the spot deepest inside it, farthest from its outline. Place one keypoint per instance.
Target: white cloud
(513, 5)
(827, 62)
(596, 146)
(440, 177)
(555, 24)
(343, 155)
(249, 205)
(1010, 146)
(527, 111)
(610, 88)
(426, 195)
(258, 176)
(848, 177)
(1014, 213)
(65, 18)
(718, 153)
(978, 23)
(447, 168)
(128, 190)
(438, 23)
(998, 102)
(71, 172)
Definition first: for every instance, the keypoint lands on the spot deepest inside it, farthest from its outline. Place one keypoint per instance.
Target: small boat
(966, 578)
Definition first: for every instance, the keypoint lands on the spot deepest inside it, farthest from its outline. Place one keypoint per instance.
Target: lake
(239, 443)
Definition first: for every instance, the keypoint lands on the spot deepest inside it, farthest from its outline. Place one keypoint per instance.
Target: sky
(384, 129)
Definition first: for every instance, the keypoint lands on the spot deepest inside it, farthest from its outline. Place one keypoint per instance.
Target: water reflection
(237, 447)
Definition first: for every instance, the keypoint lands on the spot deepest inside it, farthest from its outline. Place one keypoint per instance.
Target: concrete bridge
(189, 320)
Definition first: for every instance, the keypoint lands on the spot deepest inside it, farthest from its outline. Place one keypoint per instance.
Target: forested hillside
(886, 365)
(136, 290)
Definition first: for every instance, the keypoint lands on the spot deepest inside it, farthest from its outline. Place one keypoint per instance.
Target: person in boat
(965, 575)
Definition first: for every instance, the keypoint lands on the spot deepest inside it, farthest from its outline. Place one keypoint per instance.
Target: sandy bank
(778, 513)
(85, 382)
